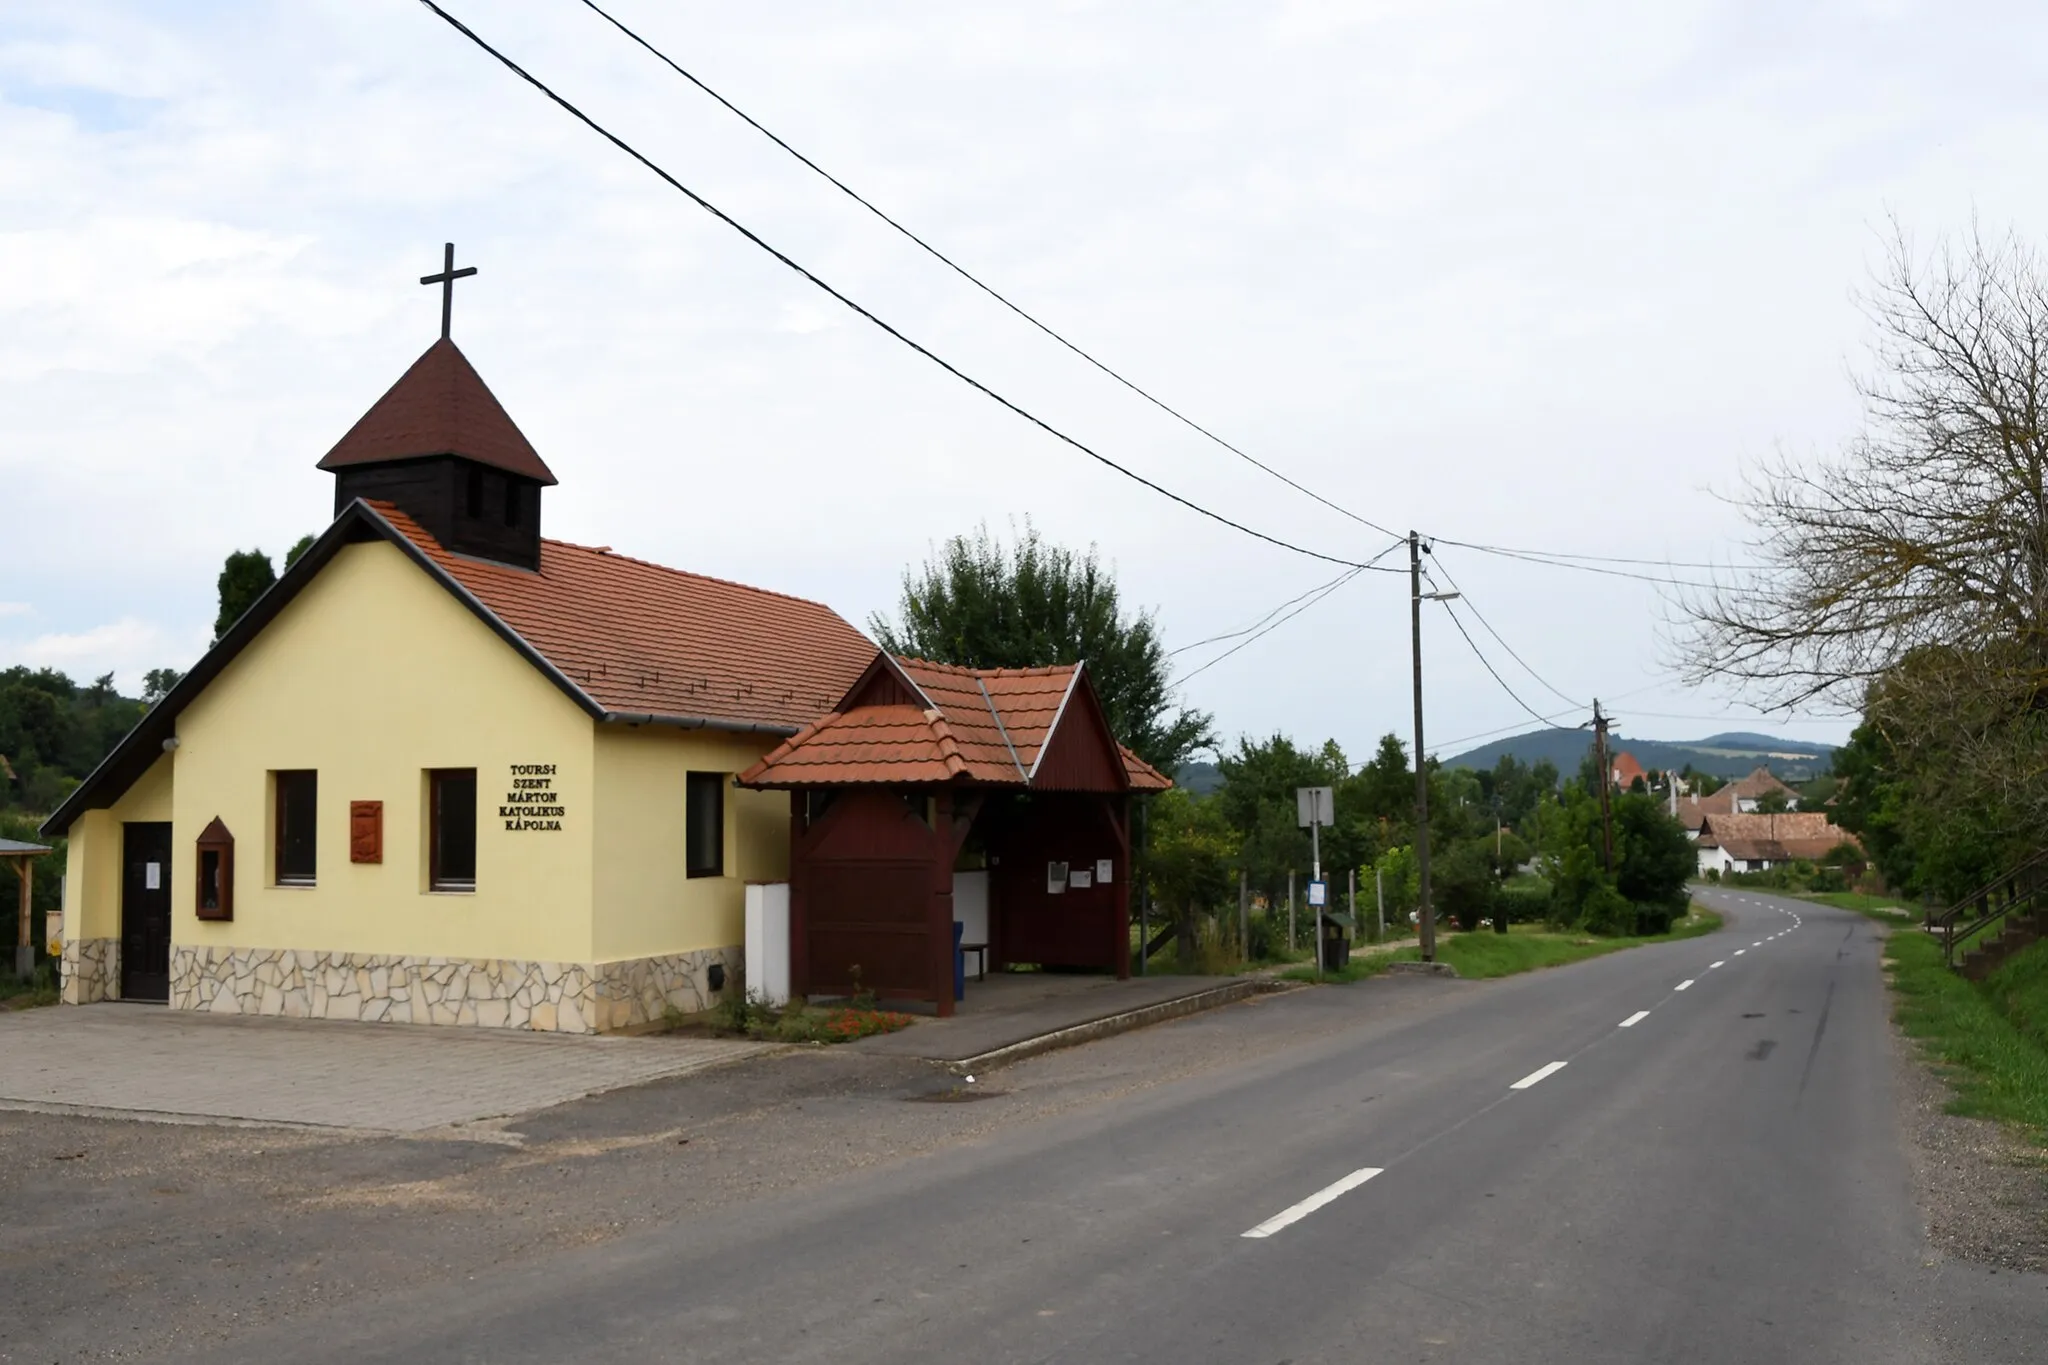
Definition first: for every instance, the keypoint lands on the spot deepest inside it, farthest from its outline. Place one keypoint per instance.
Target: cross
(446, 279)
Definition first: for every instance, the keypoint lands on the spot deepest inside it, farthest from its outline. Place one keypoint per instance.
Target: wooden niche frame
(215, 869)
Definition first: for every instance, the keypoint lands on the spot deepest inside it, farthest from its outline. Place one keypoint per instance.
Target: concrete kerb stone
(1109, 1025)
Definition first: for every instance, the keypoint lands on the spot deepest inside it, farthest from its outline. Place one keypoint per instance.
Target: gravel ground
(1983, 1188)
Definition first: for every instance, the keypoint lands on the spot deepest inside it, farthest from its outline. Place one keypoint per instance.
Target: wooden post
(940, 948)
(1290, 910)
(24, 953)
(1244, 913)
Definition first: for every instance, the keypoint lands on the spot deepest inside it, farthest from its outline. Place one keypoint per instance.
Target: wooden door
(146, 911)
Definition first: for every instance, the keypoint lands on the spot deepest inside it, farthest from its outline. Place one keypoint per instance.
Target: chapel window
(296, 796)
(704, 825)
(476, 493)
(451, 837)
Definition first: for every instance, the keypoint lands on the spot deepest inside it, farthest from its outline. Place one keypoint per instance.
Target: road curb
(1110, 1025)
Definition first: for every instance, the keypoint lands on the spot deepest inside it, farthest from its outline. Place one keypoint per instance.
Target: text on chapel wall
(531, 801)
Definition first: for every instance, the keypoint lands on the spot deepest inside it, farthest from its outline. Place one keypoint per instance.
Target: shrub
(1523, 902)
(1608, 912)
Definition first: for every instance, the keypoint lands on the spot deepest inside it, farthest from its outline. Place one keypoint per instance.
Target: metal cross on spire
(446, 279)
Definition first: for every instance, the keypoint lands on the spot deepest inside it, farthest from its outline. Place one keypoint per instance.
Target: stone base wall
(547, 997)
(89, 971)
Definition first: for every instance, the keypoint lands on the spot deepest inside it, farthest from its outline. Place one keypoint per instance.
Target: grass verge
(16, 994)
(1524, 948)
(1881, 907)
(1995, 1059)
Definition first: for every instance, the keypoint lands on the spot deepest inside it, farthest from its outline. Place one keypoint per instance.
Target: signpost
(1315, 807)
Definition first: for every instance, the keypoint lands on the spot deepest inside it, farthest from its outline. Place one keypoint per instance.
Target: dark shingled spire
(441, 406)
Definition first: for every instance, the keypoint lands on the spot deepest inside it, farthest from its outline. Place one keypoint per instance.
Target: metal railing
(2019, 891)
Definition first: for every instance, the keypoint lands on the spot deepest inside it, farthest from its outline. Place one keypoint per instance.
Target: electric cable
(820, 283)
(1473, 645)
(971, 278)
(1466, 598)
(1234, 634)
(1321, 593)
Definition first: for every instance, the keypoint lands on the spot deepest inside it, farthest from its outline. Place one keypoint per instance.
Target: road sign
(1315, 806)
(1318, 894)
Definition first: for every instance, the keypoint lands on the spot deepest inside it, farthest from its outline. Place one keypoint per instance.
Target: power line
(973, 279)
(1558, 563)
(1488, 664)
(1598, 559)
(1477, 614)
(814, 279)
(1234, 634)
(1320, 594)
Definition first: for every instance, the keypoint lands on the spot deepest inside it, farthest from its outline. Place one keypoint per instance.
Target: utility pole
(1606, 781)
(1426, 915)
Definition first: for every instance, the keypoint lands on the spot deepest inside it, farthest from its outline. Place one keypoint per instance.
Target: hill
(1733, 754)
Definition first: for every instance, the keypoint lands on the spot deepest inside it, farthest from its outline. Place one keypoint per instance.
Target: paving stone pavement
(148, 1061)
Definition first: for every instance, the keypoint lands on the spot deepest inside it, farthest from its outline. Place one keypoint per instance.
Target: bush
(1523, 902)
(1652, 920)
(1608, 912)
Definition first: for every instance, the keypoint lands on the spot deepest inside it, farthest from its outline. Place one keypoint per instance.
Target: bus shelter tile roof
(984, 726)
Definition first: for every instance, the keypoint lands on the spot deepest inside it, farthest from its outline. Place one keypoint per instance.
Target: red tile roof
(440, 406)
(640, 639)
(1627, 770)
(985, 726)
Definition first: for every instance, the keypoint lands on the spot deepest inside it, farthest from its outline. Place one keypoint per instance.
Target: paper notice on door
(1102, 866)
(1055, 879)
(1082, 879)
(152, 876)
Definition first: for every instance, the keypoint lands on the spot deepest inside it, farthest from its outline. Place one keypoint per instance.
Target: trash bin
(1336, 947)
(959, 963)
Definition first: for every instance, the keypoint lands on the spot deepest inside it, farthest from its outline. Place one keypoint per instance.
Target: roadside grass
(16, 994)
(1484, 954)
(1995, 1059)
(1862, 902)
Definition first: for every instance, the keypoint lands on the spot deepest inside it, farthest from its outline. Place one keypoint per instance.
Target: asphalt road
(1681, 1153)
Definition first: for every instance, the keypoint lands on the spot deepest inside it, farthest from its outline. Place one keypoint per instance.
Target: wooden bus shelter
(927, 778)
(23, 857)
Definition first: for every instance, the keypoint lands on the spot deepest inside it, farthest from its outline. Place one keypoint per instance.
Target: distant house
(1739, 797)
(1749, 842)
(1627, 772)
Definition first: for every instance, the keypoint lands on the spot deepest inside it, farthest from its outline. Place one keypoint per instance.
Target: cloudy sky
(1529, 275)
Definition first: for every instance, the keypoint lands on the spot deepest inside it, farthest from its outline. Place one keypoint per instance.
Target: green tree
(157, 684)
(243, 578)
(1188, 860)
(1773, 802)
(977, 604)
(299, 547)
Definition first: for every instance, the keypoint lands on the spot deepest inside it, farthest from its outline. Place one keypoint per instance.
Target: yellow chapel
(447, 770)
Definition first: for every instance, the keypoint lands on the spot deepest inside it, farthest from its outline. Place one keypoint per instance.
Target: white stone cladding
(547, 997)
(89, 971)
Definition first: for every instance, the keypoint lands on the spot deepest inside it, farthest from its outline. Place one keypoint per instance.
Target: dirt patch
(1982, 1188)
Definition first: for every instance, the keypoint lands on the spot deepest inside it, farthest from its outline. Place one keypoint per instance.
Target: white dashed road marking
(1538, 1074)
(1712, 965)
(1294, 1213)
(1682, 985)
(1635, 1019)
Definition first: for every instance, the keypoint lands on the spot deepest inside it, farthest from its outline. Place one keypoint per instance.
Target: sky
(1544, 276)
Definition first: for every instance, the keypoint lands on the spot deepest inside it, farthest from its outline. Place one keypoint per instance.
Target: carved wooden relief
(366, 831)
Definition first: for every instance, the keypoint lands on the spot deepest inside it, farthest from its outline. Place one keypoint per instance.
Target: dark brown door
(146, 912)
